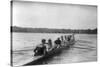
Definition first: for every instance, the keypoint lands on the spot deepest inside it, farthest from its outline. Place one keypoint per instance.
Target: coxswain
(41, 48)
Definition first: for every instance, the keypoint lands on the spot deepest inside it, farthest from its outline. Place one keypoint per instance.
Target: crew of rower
(44, 47)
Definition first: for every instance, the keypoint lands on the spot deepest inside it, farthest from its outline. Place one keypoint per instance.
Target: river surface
(84, 50)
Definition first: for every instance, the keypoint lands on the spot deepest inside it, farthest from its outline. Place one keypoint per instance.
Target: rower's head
(43, 41)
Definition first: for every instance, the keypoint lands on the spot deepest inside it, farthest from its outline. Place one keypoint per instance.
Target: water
(84, 50)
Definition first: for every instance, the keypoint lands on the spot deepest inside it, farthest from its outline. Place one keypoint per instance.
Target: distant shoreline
(51, 33)
(47, 30)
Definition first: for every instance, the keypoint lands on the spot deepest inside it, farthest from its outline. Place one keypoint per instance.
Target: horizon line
(54, 28)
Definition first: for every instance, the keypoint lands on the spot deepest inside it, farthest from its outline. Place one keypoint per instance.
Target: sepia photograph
(44, 33)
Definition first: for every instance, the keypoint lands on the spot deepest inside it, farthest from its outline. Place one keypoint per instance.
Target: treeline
(47, 30)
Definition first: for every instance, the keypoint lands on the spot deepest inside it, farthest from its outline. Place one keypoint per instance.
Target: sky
(53, 15)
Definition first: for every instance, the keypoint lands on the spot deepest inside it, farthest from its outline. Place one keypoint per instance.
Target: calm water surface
(84, 50)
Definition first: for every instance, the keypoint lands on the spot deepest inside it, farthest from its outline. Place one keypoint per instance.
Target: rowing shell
(51, 53)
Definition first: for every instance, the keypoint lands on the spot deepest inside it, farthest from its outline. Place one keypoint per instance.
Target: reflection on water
(84, 50)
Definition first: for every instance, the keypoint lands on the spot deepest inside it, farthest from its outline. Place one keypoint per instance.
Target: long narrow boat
(50, 54)
(34, 60)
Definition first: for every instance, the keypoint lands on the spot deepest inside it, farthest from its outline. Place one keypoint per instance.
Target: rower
(62, 41)
(73, 37)
(69, 38)
(65, 37)
(57, 43)
(66, 40)
(49, 44)
(40, 49)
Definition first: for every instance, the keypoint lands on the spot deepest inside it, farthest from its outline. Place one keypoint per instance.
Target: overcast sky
(50, 15)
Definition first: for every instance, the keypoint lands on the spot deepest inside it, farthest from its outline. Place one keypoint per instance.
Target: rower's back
(57, 42)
